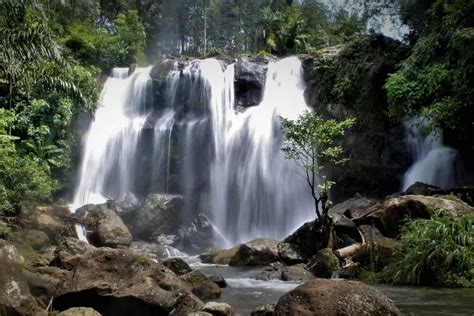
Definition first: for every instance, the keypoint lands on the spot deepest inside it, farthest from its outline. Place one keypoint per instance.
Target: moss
(367, 275)
(4, 229)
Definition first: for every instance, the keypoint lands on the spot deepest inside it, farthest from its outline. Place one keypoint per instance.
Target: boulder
(335, 297)
(289, 254)
(219, 256)
(15, 295)
(154, 251)
(119, 281)
(249, 82)
(219, 280)
(199, 235)
(80, 311)
(324, 263)
(159, 215)
(277, 271)
(258, 252)
(389, 216)
(352, 208)
(218, 309)
(201, 286)
(106, 227)
(36, 239)
(45, 281)
(305, 241)
(264, 310)
(177, 265)
(53, 220)
(67, 251)
(420, 188)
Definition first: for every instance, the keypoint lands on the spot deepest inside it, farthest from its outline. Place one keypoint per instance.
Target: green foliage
(437, 251)
(436, 81)
(311, 142)
(4, 229)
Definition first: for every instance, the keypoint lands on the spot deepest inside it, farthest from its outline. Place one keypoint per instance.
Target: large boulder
(199, 235)
(67, 251)
(118, 281)
(250, 76)
(53, 220)
(45, 281)
(219, 256)
(389, 216)
(79, 311)
(277, 271)
(218, 309)
(36, 239)
(15, 295)
(201, 285)
(324, 263)
(289, 254)
(159, 215)
(305, 241)
(352, 208)
(177, 265)
(106, 228)
(335, 297)
(258, 252)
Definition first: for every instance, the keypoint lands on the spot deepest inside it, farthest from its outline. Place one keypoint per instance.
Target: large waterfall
(225, 162)
(434, 163)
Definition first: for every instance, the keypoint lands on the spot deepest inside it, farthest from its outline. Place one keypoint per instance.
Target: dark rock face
(220, 281)
(120, 282)
(305, 241)
(105, 226)
(335, 297)
(258, 252)
(199, 235)
(289, 254)
(250, 75)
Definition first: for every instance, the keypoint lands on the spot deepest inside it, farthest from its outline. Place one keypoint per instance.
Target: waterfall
(226, 163)
(111, 143)
(254, 191)
(434, 163)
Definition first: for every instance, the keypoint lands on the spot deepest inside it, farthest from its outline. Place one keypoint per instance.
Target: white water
(434, 163)
(110, 145)
(226, 164)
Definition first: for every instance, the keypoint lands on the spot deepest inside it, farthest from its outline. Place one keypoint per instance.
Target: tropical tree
(311, 142)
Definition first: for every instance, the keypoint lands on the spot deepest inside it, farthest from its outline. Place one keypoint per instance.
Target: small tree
(311, 143)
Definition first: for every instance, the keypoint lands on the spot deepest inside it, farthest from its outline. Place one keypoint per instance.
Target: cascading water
(111, 143)
(226, 163)
(254, 190)
(434, 163)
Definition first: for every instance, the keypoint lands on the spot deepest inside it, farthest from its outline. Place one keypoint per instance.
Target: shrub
(437, 251)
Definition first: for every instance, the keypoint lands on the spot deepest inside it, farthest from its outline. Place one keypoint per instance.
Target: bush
(436, 252)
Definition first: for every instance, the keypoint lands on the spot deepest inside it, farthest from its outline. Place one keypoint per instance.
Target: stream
(244, 292)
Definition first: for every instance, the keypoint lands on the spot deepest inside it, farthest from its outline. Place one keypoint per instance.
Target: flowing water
(434, 163)
(226, 163)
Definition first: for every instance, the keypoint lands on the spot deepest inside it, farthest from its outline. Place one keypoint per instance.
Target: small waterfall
(111, 143)
(434, 163)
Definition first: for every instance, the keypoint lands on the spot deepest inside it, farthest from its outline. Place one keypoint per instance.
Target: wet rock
(264, 310)
(177, 265)
(219, 256)
(258, 252)
(288, 254)
(201, 286)
(119, 281)
(15, 295)
(420, 188)
(106, 227)
(80, 311)
(389, 216)
(199, 235)
(220, 281)
(278, 271)
(335, 297)
(324, 263)
(159, 215)
(250, 77)
(218, 309)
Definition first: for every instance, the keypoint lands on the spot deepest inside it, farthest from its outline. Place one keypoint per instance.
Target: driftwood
(349, 251)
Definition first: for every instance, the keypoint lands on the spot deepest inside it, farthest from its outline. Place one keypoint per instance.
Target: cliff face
(348, 82)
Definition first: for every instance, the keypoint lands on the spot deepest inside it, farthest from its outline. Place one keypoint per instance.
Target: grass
(435, 252)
